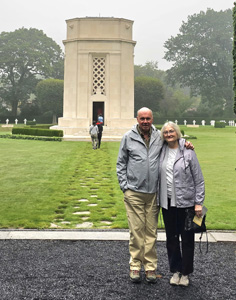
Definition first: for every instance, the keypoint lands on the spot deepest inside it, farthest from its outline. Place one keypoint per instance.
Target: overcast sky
(155, 21)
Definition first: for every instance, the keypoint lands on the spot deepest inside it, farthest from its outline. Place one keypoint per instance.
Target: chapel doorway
(98, 108)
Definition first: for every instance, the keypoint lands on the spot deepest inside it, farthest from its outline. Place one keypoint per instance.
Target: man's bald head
(144, 109)
(145, 119)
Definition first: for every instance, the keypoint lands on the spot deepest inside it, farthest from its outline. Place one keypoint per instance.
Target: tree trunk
(14, 106)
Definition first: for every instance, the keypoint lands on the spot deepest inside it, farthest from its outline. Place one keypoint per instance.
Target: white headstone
(7, 121)
(185, 122)
(194, 122)
(203, 122)
(212, 122)
(25, 121)
(16, 121)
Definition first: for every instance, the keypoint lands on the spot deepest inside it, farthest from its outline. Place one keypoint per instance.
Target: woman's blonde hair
(174, 126)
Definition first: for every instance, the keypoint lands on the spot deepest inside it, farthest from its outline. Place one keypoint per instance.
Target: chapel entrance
(98, 108)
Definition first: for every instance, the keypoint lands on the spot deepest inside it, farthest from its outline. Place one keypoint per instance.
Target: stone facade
(99, 75)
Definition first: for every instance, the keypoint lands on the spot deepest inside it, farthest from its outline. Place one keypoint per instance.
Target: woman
(181, 186)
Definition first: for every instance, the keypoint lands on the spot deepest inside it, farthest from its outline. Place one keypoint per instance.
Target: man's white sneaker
(184, 280)
(175, 279)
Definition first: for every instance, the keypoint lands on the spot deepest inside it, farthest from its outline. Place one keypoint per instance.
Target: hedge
(37, 131)
(219, 124)
(42, 126)
(29, 137)
(30, 122)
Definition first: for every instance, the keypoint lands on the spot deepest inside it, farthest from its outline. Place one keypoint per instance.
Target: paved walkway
(109, 235)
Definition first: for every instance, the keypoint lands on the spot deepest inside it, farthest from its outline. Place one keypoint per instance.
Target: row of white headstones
(203, 122)
(212, 122)
(16, 121)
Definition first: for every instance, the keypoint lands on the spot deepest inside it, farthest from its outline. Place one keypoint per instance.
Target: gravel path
(46, 270)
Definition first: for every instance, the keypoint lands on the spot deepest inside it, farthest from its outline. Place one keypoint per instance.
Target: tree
(147, 92)
(175, 103)
(49, 94)
(202, 57)
(150, 69)
(26, 55)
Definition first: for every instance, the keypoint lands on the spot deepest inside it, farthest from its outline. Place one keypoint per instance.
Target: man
(100, 130)
(137, 171)
(100, 118)
(93, 131)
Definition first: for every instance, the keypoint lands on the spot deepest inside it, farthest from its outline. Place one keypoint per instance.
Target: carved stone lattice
(99, 75)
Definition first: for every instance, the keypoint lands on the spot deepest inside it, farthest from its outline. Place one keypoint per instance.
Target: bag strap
(200, 244)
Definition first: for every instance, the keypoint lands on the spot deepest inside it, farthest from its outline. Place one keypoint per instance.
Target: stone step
(82, 133)
(105, 138)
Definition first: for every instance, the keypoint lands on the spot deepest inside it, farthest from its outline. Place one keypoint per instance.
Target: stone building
(99, 75)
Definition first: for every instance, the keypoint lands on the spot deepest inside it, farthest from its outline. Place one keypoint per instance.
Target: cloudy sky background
(155, 21)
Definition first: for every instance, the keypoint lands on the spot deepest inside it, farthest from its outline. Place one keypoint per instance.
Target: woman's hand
(198, 210)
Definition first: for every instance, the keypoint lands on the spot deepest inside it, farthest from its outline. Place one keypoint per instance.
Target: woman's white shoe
(175, 279)
(184, 280)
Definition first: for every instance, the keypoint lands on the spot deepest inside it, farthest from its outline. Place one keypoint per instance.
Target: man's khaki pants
(142, 212)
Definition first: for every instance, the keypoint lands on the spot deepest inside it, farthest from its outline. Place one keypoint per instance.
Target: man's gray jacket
(137, 165)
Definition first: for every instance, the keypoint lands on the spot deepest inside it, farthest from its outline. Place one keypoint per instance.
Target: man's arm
(121, 165)
(188, 145)
(199, 183)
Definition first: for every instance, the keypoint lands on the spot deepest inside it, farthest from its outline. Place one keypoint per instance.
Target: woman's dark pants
(174, 225)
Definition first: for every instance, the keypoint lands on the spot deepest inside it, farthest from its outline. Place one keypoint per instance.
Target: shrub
(30, 122)
(42, 126)
(37, 131)
(190, 137)
(219, 124)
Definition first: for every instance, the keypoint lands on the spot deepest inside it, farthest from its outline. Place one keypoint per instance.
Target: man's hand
(189, 145)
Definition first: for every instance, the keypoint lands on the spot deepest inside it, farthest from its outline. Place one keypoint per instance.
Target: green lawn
(43, 183)
(216, 151)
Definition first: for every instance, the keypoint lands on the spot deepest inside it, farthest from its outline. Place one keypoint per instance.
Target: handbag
(191, 226)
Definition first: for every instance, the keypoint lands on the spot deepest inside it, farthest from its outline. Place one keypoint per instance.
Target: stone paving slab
(65, 235)
(224, 236)
(213, 236)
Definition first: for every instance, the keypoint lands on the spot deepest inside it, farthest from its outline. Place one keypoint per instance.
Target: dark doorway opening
(98, 108)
